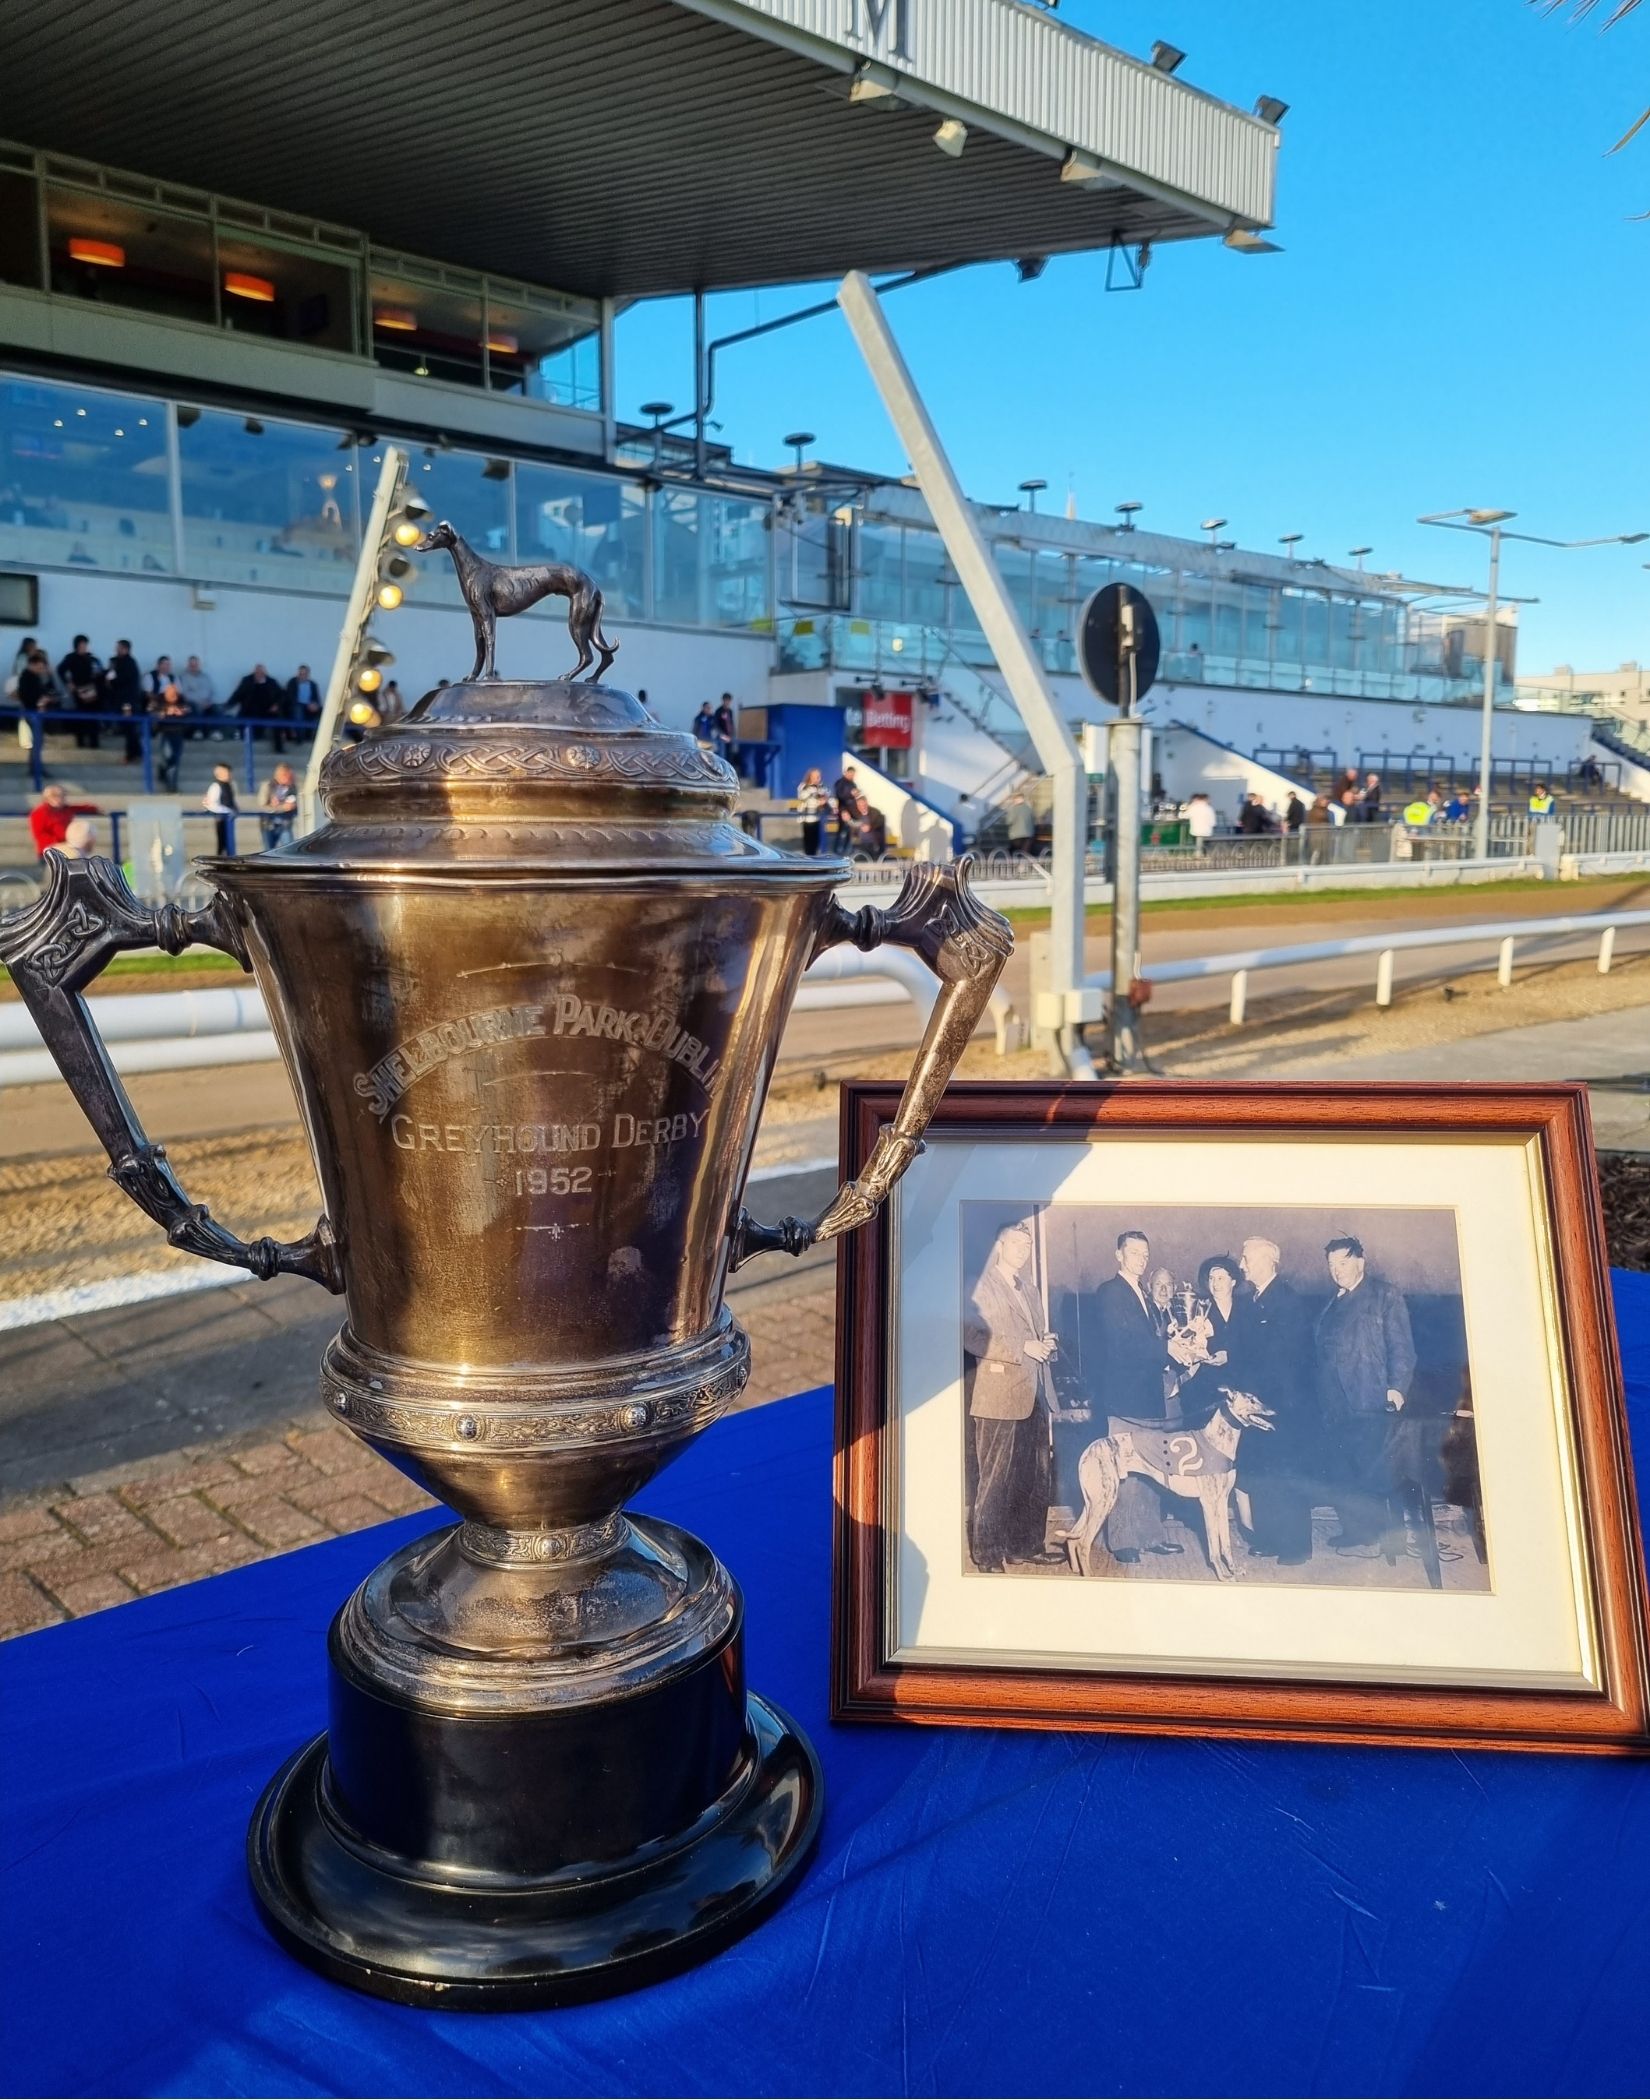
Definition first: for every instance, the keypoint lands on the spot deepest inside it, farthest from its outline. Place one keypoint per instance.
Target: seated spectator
(158, 681)
(260, 698)
(870, 830)
(1457, 808)
(1541, 800)
(51, 816)
(196, 687)
(304, 700)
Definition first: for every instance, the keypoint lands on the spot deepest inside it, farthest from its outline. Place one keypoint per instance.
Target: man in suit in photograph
(1010, 1390)
(1125, 1350)
(1270, 1355)
(1366, 1369)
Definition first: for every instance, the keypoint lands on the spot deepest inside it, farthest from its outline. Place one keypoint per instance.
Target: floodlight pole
(391, 477)
(1481, 820)
(1010, 645)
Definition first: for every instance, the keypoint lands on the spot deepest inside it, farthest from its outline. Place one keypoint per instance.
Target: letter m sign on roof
(881, 18)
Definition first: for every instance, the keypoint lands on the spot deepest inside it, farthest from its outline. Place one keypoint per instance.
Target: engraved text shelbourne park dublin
(543, 1776)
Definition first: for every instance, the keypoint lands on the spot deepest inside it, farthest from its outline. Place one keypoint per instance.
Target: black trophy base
(382, 1923)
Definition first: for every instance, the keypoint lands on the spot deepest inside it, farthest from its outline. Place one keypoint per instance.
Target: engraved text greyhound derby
(490, 590)
(1197, 1463)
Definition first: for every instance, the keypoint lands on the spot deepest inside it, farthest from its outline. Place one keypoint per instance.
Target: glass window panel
(933, 595)
(677, 556)
(429, 330)
(541, 351)
(1196, 626)
(880, 559)
(737, 540)
(1315, 626)
(1345, 619)
(594, 521)
(286, 294)
(19, 229)
(83, 479)
(1286, 611)
(1227, 620)
(266, 503)
(1014, 565)
(130, 255)
(821, 559)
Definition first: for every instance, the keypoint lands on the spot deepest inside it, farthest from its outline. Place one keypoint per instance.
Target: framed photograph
(1286, 1411)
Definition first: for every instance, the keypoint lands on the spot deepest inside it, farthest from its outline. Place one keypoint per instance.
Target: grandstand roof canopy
(631, 147)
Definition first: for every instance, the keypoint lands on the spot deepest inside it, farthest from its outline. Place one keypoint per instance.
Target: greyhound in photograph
(490, 591)
(1200, 1464)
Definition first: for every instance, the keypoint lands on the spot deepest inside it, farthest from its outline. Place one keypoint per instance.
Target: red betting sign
(887, 721)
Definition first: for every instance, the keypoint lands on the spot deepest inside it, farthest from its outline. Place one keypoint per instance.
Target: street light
(1291, 540)
(1127, 512)
(1492, 523)
(1211, 526)
(1357, 554)
(1033, 489)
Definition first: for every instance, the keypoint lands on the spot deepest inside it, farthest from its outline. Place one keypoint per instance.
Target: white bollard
(1383, 978)
(1606, 950)
(1240, 997)
(1503, 969)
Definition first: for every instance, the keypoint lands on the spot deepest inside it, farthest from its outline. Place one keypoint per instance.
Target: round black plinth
(373, 1923)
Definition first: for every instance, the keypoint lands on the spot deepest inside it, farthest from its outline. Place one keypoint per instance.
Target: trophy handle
(965, 944)
(54, 948)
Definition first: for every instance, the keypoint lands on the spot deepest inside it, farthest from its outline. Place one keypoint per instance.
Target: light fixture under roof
(1243, 240)
(1270, 110)
(503, 345)
(397, 319)
(240, 285)
(105, 255)
(1165, 58)
(951, 137)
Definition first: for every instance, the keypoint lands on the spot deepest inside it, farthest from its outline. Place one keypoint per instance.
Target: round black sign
(1117, 623)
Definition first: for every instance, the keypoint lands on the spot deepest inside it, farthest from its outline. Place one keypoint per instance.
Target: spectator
(259, 698)
(391, 706)
(79, 840)
(1316, 830)
(1418, 813)
(278, 799)
(36, 687)
(1294, 814)
(1255, 819)
(158, 681)
(220, 800)
(727, 730)
(870, 830)
(1022, 826)
(196, 687)
(1457, 808)
(30, 645)
(1541, 800)
(1201, 819)
(303, 702)
(812, 801)
(704, 725)
(844, 794)
(81, 675)
(1589, 773)
(51, 816)
(1369, 802)
(123, 683)
(169, 713)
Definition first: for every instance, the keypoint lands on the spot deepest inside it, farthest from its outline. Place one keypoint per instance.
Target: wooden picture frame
(1547, 1126)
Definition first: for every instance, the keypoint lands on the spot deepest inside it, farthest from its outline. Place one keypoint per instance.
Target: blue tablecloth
(988, 1913)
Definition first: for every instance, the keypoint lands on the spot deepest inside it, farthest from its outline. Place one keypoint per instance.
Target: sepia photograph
(1256, 1393)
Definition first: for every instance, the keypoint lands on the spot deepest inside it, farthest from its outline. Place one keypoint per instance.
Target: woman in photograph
(1219, 1281)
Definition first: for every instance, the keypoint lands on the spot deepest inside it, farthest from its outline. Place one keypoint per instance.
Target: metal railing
(1501, 935)
(141, 734)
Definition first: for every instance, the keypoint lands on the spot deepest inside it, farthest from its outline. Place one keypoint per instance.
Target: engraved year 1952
(553, 1181)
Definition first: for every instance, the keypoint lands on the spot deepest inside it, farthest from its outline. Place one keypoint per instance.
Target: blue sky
(1461, 316)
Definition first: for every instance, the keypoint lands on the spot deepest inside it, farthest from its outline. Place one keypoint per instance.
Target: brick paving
(106, 1537)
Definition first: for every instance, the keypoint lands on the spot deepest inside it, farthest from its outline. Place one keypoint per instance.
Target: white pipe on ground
(167, 1054)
